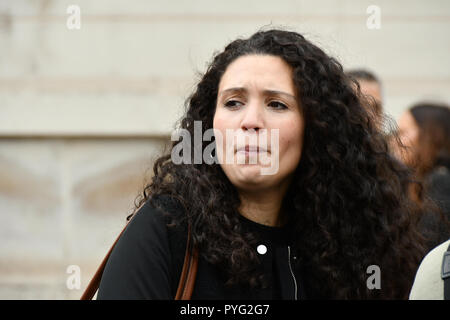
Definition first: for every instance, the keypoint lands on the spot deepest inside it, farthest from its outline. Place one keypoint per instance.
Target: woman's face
(409, 136)
(260, 121)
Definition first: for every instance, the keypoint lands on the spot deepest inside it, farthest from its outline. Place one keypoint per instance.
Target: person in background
(371, 87)
(424, 133)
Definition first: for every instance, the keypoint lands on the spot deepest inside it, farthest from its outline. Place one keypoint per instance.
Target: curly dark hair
(347, 202)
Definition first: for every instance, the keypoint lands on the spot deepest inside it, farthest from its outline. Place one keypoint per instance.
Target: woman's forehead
(264, 72)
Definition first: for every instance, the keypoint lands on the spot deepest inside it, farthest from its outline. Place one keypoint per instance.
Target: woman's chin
(250, 175)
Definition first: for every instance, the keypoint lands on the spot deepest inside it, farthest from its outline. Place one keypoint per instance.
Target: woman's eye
(277, 105)
(233, 104)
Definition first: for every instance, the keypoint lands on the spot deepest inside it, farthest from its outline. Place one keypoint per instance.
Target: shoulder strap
(189, 271)
(187, 279)
(95, 281)
(445, 273)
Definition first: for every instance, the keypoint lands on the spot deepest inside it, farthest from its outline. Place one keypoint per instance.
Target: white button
(262, 249)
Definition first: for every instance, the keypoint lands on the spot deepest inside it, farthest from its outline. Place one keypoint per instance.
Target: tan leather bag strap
(185, 285)
(189, 271)
(95, 281)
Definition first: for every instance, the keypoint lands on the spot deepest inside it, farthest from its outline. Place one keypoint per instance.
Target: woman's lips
(247, 150)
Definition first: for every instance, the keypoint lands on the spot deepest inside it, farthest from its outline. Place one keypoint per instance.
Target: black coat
(147, 260)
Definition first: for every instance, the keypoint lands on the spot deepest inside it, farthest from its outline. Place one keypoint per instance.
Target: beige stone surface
(63, 202)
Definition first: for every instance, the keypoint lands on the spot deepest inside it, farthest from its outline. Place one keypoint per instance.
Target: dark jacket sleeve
(140, 264)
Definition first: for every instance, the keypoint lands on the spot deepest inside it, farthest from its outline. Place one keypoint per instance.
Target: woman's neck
(262, 207)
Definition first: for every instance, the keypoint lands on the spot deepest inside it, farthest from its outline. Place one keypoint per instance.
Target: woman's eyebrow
(280, 93)
(265, 92)
(233, 90)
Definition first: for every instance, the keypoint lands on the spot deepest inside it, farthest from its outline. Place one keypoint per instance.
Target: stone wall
(84, 112)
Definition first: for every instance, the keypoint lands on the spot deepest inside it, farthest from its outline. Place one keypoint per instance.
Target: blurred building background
(84, 112)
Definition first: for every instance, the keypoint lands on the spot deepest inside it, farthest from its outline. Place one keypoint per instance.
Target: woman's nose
(253, 117)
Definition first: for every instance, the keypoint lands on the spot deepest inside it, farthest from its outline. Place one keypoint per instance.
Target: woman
(424, 130)
(333, 207)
